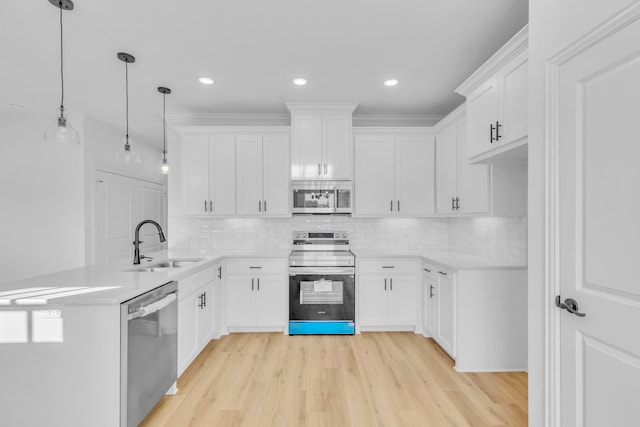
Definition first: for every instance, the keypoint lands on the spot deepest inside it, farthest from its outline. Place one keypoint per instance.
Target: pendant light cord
(164, 125)
(126, 79)
(61, 60)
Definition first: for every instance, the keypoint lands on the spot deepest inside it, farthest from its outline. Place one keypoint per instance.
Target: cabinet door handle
(319, 169)
(391, 205)
(398, 205)
(385, 284)
(388, 266)
(252, 284)
(200, 303)
(258, 267)
(431, 291)
(425, 269)
(453, 203)
(205, 205)
(258, 279)
(498, 126)
(442, 272)
(204, 299)
(259, 205)
(220, 272)
(264, 203)
(391, 284)
(491, 129)
(457, 203)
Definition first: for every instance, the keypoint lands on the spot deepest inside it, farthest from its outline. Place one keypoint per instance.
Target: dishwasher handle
(153, 307)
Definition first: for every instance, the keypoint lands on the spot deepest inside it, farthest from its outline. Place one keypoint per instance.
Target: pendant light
(61, 131)
(163, 165)
(127, 154)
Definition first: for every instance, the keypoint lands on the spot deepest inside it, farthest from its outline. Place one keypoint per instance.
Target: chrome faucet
(136, 242)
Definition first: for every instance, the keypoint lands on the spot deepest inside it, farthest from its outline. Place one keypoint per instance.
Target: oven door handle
(344, 271)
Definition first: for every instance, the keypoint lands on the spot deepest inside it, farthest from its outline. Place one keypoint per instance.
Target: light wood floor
(372, 379)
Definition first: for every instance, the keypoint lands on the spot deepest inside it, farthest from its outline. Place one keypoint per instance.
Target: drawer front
(387, 265)
(190, 284)
(256, 266)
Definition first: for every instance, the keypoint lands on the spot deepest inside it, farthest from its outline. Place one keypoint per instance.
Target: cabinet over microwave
(322, 197)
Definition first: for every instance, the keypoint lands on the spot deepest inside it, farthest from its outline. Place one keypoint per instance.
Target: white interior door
(120, 203)
(598, 237)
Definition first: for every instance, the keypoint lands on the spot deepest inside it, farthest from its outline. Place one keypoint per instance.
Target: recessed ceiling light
(299, 81)
(205, 80)
(390, 82)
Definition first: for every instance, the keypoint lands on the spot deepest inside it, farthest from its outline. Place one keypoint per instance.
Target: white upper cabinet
(321, 141)
(235, 171)
(208, 174)
(394, 172)
(460, 187)
(262, 172)
(497, 103)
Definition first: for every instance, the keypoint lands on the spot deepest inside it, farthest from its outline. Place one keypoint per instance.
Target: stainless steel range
(321, 284)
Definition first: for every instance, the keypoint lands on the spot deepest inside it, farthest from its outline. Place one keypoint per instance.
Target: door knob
(570, 305)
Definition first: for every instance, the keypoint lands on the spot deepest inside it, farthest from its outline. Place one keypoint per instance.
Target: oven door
(322, 294)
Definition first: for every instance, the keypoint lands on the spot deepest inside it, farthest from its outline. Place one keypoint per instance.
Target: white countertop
(112, 283)
(447, 259)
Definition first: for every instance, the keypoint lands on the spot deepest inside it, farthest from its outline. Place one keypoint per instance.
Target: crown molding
(310, 107)
(516, 45)
(228, 119)
(452, 117)
(397, 120)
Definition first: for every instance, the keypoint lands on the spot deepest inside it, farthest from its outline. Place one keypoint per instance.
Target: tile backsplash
(500, 238)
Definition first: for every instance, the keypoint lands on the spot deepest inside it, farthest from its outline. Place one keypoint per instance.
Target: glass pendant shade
(61, 131)
(126, 154)
(163, 165)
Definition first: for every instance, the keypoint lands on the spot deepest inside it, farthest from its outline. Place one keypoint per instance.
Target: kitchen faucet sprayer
(136, 241)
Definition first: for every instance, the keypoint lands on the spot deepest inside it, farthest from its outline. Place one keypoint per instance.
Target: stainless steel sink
(166, 265)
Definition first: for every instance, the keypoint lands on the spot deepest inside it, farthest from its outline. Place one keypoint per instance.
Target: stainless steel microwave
(322, 197)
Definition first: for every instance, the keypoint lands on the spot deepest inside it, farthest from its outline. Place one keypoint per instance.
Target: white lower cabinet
(445, 323)
(387, 294)
(479, 317)
(429, 292)
(195, 314)
(255, 294)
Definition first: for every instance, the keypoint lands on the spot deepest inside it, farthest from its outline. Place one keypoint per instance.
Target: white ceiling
(252, 49)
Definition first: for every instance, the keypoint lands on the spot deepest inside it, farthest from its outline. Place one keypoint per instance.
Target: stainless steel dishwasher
(148, 351)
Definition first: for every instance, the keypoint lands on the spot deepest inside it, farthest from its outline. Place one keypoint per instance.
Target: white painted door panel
(120, 203)
(240, 300)
(482, 112)
(473, 180)
(445, 325)
(374, 176)
(372, 299)
(414, 175)
(249, 174)
(195, 154)
(269, 301)
(276, 175)
(514, 84)
(307, 146)
(402, 300)
(447, 169)
(336, 143)
(222, 179)
(599, 233)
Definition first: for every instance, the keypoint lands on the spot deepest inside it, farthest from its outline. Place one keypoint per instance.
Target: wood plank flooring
(381, 379)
